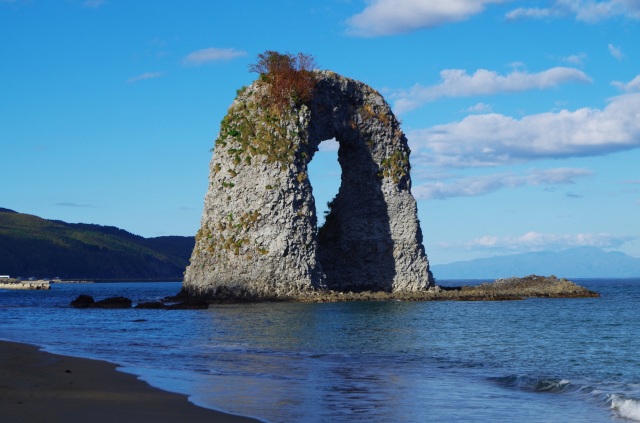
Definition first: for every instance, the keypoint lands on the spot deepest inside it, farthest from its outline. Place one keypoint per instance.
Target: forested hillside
(34, 247)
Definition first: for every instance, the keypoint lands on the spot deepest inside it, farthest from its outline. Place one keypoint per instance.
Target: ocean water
(538, 360)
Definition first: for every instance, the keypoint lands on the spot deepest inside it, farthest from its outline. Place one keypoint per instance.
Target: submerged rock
(151, 305)
(259, 237)
(189, 304)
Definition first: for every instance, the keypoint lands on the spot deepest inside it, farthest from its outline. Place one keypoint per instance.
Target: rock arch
(258, 235)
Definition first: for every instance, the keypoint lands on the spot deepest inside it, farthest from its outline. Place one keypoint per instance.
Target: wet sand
(40, 387)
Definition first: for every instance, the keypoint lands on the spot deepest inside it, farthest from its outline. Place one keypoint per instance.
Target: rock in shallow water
(259, 238)
(189, 304)
(500, 290)
(184, 303)
(151, 305)
(82, 301)
(87, 301)
(113, 302)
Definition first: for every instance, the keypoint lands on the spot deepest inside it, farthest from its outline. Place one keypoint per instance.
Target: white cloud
(595, 11)
(458, 83)
(495, 139)
(200, 57)
(616, 51)
(146, 75)
(329, 145)
(633, 85)
(481, 185)
(531, 13)
(536, 241)
(583, 10)
(479, 108)
(389, 17)
(576, 59)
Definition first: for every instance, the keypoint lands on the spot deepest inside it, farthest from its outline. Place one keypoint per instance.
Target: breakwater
(24, 285)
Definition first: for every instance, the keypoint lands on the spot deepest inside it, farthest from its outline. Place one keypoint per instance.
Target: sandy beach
(40, 387)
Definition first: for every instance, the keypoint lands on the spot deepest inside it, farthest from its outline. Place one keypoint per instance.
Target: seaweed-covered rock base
(509, 289)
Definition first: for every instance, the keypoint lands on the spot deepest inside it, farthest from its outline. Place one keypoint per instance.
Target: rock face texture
(259, 235)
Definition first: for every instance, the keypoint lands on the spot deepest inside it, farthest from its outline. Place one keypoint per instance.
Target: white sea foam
(628, 408)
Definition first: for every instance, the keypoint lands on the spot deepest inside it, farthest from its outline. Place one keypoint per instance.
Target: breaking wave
(622, 406)
(628, 408)
(536, 384)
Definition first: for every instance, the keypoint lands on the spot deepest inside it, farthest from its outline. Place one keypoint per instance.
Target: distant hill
(32, 246)
(582, 262)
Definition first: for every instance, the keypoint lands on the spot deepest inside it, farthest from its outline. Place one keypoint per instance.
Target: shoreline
(38, 386)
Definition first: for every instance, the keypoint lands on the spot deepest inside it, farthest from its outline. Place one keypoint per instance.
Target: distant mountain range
(34, 247)
(581, 262)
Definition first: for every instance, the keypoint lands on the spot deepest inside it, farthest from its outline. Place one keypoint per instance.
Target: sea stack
(259, 237)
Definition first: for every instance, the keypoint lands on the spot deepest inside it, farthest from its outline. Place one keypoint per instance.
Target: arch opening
(355, 244)
(325, 176)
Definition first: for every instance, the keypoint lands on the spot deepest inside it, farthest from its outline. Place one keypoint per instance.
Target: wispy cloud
(479, 108)
(485, 184)
(530, 13)
(583, 10)
(459, 83)
(75, 205)
(573, 195)
(616, 52)
(390, 17)
(575, 59)
(633, 85)
(146, 75)
(495, 139)
(207, 55)
(536, 241)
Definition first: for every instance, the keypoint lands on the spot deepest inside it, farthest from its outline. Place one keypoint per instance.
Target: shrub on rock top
(289, 76)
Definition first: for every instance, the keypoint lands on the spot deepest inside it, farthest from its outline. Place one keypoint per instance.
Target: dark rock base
(509, 289)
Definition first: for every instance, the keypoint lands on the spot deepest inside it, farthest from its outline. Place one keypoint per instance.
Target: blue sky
(523, 116)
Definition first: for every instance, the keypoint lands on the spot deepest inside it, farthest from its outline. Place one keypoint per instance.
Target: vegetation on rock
(289, 77)
(263, 120)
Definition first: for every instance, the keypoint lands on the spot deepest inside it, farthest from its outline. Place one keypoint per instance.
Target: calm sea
(539, 360)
